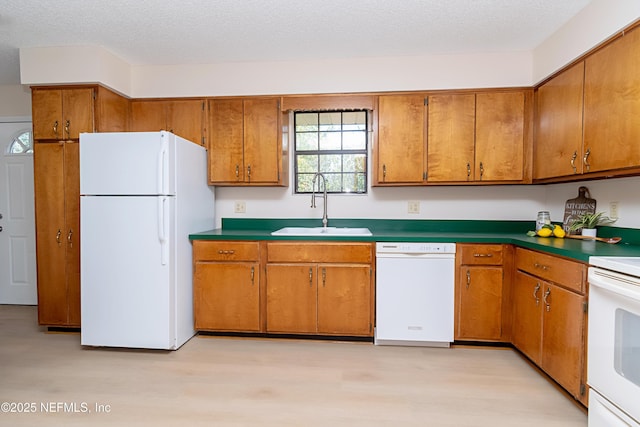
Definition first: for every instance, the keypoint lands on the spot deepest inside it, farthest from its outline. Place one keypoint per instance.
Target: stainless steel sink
(322, 231)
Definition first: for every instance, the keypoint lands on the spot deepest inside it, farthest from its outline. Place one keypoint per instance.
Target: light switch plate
(613, 210)
(413, 206)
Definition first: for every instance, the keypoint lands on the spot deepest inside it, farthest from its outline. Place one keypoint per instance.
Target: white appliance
(141, 195)
(414, 293)
(613, 371)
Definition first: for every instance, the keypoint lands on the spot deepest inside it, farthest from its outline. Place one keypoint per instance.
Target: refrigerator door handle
(162, 229)
(163, 167)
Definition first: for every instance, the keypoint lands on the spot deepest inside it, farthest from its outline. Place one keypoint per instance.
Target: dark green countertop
(459, 231)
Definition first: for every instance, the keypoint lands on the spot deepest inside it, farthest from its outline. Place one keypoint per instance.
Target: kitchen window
(333, 143)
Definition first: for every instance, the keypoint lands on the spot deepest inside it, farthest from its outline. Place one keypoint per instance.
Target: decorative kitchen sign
(578, 206)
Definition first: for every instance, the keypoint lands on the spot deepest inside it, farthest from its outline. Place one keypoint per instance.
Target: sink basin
(322, 231)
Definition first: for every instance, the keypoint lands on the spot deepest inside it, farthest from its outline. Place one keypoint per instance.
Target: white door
(17, 220)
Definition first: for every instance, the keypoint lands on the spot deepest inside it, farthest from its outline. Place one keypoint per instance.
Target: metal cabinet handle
(249, 173)
(324, 277)
(585, 159)
(535, 293)
(253, 269)
(541, 266)
(482, 255)
(66, 128)
(481, 170)
(69, 235)
(58, 234)
(384, 172)
(55, 128)
(544, 298)
(468, 278)
(468, 171)
(573, 161)
(237, 171)
(310, 276)
(226, 252)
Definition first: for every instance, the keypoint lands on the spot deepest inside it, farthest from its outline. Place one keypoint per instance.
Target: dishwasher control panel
(415, 248)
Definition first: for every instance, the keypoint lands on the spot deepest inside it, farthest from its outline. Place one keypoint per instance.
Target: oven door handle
(629, 291)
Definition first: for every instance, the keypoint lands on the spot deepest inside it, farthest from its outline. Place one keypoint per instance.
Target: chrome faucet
(325, 221)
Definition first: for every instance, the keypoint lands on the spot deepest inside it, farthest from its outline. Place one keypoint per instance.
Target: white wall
(621, 190)
(15, 101)
(597, 22)
(487, 202)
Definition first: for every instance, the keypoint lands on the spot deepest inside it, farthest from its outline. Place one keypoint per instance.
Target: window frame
(341, 152)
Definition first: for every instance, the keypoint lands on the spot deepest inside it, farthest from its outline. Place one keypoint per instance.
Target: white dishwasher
(415, 293)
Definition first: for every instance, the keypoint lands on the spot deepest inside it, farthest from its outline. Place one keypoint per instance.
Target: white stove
(613, 371)
(624, 265)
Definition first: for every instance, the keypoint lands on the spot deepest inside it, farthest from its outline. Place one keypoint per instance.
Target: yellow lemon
(559, 231)
(545, 232)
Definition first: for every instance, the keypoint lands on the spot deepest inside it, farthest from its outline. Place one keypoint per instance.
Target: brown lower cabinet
(549, 317)
(323, 288)
(226, 286)
(482, 305)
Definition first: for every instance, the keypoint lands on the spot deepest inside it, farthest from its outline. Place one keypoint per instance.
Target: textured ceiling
(210, 31)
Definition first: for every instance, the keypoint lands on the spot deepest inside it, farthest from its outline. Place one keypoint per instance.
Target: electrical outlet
(413, 207)
(240, 206)
(613, 210)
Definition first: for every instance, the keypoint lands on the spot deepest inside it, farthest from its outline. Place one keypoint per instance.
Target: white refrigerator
(141, 195)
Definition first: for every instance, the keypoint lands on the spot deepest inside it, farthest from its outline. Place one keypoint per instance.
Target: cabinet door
(113, 111)
(185, 117)
(499, 136)
(77, 112)
(527, 315)
(612, 105)
(227, 296)
(558, 149)
(562, 343)
(401, 139)
(47, 113)
(261, 140)
(480, 305)
(451, 138)
(291, 298)
(344, 299)
(226, 162)
(72, 229)
(148, 116)
(50, 234)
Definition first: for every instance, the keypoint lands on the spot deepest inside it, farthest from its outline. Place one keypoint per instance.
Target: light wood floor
(261, 382)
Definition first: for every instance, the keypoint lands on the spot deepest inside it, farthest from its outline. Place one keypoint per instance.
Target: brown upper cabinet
(184, 117)
(612, 106)
(246, 146)
(62, 114)
(587, 122)
(558, 149)
(453, 138)
(399, 155)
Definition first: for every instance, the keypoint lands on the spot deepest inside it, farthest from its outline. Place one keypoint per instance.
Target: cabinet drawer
(570, 274)
(480, 254)
(319, 252)
(207, 250)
